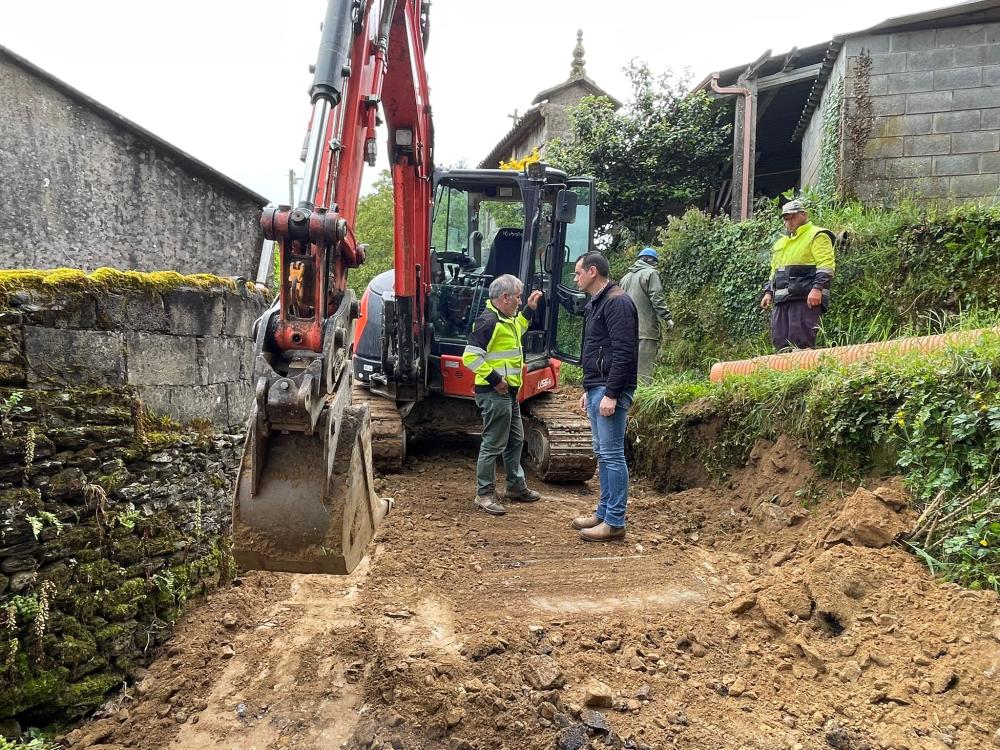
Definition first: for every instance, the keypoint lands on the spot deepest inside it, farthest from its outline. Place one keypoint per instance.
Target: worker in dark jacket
(610, 363)
(494, 353)
(802, 266)
(642, 283)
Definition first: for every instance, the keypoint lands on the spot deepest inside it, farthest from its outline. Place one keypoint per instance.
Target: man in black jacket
(610, 369)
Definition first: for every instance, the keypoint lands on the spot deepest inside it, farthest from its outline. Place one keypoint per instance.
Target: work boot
(523, 496)
(490, 504)
(602, 533)
(586, 522)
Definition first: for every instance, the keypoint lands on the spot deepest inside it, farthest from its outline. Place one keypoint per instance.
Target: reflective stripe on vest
(504, 353)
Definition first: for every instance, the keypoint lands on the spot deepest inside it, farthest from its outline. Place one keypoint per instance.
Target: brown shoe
(602, 533)
(523, 496)
(490, 504)
(586, 522)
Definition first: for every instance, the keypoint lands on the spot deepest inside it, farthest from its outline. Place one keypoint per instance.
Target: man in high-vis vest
(802, 266)
(495, 354)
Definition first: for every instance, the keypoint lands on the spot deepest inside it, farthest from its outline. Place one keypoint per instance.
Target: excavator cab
(485, 223)
(532, 226)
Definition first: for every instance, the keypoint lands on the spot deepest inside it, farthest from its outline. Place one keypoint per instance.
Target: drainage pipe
(808, 359)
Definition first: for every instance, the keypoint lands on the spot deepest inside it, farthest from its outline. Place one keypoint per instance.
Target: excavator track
(558, 443)
(388, 433)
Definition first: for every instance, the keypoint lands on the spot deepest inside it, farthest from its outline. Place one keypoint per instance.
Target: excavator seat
(505, 252)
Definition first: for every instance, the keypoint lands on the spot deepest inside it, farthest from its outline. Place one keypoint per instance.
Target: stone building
(83, 187)
(907, 108)
(549, 116)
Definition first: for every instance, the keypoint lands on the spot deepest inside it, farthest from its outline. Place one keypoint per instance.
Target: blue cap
(648, 252)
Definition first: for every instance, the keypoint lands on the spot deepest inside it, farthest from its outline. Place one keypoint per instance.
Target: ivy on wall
(829, 185)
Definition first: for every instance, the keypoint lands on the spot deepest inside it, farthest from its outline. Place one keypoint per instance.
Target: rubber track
(571, 447)
(388, 437)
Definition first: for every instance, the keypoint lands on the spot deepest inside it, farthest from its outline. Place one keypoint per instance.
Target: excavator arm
(305, 500)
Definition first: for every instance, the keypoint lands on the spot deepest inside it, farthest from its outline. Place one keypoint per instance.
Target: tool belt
(795, 282)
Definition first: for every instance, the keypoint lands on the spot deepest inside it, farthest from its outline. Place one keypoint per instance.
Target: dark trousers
(503, 436)
(794, 325)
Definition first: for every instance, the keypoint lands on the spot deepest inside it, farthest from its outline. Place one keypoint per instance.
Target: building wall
(79, 190)
(935, 96)
(534, 138)
(812, 138)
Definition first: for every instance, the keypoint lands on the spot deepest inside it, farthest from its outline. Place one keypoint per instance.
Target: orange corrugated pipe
(806, 359)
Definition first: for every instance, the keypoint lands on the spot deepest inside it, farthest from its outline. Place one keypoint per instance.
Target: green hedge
(908, 271)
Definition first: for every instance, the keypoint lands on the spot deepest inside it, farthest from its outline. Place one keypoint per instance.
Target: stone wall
(111, 516)
(935, 96)
(184, 349)
(81, 187)
(106, 529)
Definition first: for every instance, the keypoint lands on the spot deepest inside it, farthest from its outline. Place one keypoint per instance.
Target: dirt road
(724, 622)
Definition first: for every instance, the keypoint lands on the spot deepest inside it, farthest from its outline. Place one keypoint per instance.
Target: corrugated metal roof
(195, 165)
(829, 60)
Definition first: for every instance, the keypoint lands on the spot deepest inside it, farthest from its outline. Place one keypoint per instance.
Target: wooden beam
(751, 71)
(744, 143)
(789, 60)
(807, 73)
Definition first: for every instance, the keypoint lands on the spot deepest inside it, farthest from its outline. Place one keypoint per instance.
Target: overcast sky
(226, 80)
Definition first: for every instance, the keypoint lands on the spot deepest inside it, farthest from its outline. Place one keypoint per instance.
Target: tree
(374, 226)
(655, 157)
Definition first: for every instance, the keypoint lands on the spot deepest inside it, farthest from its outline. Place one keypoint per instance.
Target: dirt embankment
(765, 614)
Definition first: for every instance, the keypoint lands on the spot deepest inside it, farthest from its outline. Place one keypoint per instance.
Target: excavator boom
(305, 500)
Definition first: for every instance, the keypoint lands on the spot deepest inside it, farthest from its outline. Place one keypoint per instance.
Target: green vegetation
(32, 741)
(374, 226)
(658, 154)
(911, 271)
(933, 419)
(107, 280)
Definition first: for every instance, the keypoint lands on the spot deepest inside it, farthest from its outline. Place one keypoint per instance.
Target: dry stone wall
(111, 515)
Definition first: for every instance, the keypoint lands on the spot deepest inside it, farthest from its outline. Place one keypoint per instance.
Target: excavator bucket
(306, 503)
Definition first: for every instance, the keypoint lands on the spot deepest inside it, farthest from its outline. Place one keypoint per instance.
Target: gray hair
(506, 284)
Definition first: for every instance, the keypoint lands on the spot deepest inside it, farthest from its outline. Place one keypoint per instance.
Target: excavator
(339, 382)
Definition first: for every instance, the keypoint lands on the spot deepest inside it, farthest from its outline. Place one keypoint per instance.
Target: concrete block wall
(936, 100)
(186, 352)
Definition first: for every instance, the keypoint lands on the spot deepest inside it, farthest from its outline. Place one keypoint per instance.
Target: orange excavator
(340, 382)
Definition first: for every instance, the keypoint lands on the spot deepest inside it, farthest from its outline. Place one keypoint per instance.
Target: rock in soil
(866, 521)
(572, 737)
(598, 695)
(543, 672)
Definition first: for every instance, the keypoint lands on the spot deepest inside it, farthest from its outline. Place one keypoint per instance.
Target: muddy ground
(748, 615)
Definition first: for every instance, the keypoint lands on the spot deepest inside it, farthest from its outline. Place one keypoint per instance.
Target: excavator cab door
(573, 237)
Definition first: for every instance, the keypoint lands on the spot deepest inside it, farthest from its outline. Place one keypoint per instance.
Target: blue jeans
(609, 447)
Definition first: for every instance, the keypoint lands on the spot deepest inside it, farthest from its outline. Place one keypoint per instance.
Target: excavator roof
(551, 174)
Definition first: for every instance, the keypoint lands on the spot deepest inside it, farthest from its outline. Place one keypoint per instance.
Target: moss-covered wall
(112, 514)
(106, 528)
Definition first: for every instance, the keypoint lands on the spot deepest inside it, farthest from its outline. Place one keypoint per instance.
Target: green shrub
(908, 271)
